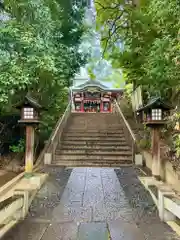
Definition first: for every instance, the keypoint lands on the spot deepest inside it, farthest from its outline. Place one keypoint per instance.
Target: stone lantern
(30, 110)
(155, 115)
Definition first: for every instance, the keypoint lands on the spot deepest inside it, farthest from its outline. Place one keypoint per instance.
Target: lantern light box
(28, 113)
(155, 112)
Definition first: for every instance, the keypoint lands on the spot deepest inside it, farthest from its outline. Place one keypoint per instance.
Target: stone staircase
(93, 139)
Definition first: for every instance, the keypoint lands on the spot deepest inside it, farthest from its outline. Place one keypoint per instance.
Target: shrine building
(93, 96)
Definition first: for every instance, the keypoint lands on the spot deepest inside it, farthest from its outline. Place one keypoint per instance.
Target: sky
(91, 44)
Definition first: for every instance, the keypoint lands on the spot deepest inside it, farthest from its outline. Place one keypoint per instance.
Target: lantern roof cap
(156, 102)
(29, 101)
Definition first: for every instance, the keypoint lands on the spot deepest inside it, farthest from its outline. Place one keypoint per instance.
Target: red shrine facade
(92, 96)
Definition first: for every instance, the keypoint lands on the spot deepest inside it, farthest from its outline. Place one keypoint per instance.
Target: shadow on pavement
(50, 194)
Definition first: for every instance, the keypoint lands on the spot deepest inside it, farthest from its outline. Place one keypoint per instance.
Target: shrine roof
(95, 83)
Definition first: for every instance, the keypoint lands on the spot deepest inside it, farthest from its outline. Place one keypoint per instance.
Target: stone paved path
(92, 203)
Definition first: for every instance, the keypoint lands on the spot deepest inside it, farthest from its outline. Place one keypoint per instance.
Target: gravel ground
(138, 197)
(50, 194)
(144, 210)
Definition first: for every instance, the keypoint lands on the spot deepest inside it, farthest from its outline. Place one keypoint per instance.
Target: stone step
(90, 113)
(92, 164)
(95, 128)
(93, 134)
(95, 131)
(94, 115)
(104, 120)
(93, 148)
(96, 121)
(93, 152)
(80, 142)
(87, 158)
(107, 120)
(92, 139)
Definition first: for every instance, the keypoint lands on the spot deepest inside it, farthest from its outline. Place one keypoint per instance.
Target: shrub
(19, 148)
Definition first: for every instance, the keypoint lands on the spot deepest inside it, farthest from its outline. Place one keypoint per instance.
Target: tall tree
(39, 52)
(143, 39)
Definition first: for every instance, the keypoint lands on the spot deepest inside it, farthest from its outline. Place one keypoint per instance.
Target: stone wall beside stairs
(168, 174)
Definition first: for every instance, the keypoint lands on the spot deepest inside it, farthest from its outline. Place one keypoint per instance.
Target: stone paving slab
(92, 231)
(69, 214)
(93, 193)
(125, 215)
(74, 191)
(99, 212)
(56, 231)
(121, 230)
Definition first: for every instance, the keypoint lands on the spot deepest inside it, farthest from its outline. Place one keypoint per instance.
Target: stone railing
(129, 135)
(50, 146)
(17, 198)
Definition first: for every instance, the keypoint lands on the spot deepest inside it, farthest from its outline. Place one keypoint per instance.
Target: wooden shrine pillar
(29, 155)
(82, 106)
(110, 107)
(156, 163)
(101, 106)
(82, 102)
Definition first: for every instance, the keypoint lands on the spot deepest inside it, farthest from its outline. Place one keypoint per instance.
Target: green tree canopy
(143, 40)
(39, 52)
